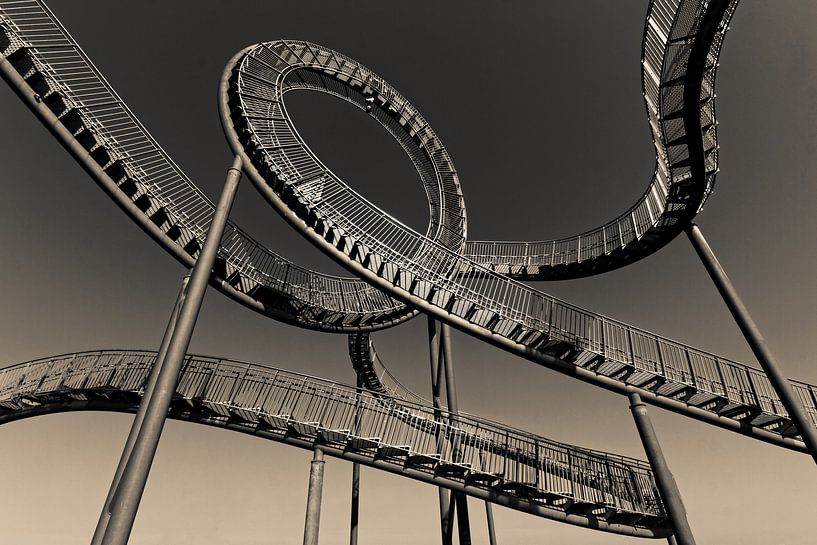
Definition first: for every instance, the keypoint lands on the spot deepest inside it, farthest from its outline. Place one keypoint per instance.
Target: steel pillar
(750, 331)
(436, 381)
(355, 504)
(667, 487)
(136, 426)
(312, 521)
(447, 361)
(132, 484)
(489, 515)
(355, 507)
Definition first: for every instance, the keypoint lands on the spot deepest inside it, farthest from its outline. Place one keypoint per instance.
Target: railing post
(129, 492)
(136, 426)
(756, 342)
(312, 520)
(434, 359)
(667, 488)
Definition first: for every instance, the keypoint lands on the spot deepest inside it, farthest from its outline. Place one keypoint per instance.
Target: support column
(355, 508)
(436, 380)
(667, 488)
(312, 521)
(489, 514)
(129, 492)
(136, 426)
(779, 382)
(463, 521)
(355, 504)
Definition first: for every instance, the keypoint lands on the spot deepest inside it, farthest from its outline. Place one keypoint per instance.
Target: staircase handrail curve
(188, 208)
(238, 387)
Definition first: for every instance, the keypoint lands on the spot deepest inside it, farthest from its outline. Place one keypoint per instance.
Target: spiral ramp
(472, 285)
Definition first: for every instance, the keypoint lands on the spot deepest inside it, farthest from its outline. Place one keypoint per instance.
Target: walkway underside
(480, 458)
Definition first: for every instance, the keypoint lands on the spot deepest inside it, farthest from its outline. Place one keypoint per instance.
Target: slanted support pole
(667, 487)
(136, 426)
(129, 492)
(747, 325)
(463, 521)
(312, 521)
(489, 515)
(436, 380)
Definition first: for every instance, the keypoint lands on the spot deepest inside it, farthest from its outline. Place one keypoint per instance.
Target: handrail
(525, 464)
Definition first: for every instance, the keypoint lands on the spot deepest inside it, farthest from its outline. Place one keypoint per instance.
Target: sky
(541, 111)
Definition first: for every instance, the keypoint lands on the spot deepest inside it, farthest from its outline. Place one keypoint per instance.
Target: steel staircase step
(451, 469)
(391, 452)
(276, 421)
(247, 414)
(481, 478)
(339, 437)
(5, 39)
(417, 459)
(305, 429)
(21, 60)
(578, 507)
(358, 444)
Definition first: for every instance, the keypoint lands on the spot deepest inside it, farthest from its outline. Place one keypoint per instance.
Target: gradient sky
(541, 111)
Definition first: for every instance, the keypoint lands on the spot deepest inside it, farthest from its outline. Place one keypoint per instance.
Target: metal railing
(31, 24)
(520, 461)
(460, 286)
(663, 61)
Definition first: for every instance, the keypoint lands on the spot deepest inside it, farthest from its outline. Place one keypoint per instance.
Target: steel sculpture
(496, 463)
(471, 285)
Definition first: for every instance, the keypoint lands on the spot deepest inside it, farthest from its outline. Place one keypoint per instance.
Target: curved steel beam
(470, 296)
(495, 463)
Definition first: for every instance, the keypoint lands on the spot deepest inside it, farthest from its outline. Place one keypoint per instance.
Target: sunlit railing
(283, 399)
(113, 125)
(451, 281)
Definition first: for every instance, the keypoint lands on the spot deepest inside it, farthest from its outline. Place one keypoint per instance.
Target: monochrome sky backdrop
(541, 110)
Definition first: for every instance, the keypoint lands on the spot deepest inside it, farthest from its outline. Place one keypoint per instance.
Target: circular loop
(255, 119)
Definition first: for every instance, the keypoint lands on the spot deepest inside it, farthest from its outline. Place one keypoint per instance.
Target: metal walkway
(469, 296)
(473, 286)
(682, 42)
(484, 459)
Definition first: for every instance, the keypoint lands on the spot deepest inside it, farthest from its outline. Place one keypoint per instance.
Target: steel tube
(355, 507)
(667, 487)
(312, 520)
(355, 504)
(447, 361)
(489, 515)
(132, 485)
(750, 331)
(436, 376)
(136, 426)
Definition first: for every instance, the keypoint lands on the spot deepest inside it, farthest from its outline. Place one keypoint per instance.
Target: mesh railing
(468, 289)
(256, 393)
(62, 61)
